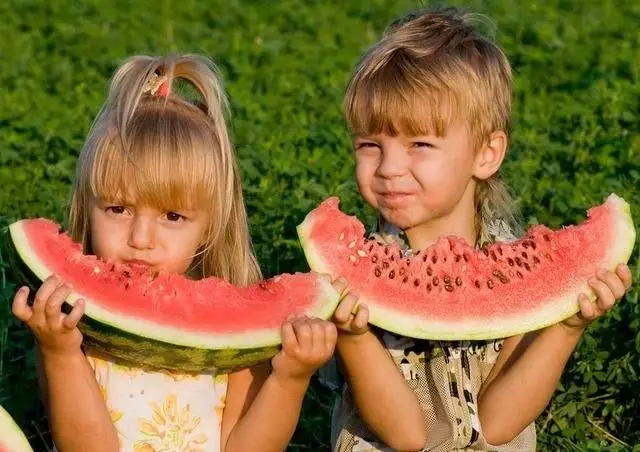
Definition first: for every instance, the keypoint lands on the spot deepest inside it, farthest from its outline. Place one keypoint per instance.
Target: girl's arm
(529, 367)
(262, 408)
(78, 416)
(379, 389)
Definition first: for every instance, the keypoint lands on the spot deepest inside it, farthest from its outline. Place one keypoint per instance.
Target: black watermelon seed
(490, 283)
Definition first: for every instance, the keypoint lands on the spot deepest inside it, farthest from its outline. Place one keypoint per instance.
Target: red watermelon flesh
(453, 291)
(209, 314)
(11, 437)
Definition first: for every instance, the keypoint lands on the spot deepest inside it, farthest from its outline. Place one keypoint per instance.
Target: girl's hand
(348, 317)
(608, 287)
(55, 332)
(307, 344)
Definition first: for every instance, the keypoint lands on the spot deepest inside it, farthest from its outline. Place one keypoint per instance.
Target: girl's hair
(169, 149)
(429, 71)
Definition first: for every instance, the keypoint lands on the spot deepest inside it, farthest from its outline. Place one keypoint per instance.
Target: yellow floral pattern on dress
(171, 428)
(161, 411)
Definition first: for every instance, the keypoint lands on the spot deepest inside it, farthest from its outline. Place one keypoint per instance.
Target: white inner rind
(11, 437)
(325, 303)
(553, 311)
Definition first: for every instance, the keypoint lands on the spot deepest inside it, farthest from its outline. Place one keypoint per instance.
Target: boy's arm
(529, 367)
(381, 393)
(379, 389)
(77, 413)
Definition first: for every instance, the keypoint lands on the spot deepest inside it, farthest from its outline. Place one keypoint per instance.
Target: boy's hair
(429, 71)
(171, 151)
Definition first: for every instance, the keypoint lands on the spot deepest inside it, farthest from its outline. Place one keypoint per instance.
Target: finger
(317, 337)
(44, 292)
(362, 318)
(71, 320)
(624, 273)
(303, 334)
(330, 337)
(52, 309)
(289, 341)
(587, 308)
(340, 284)
(343, 312)
(20, 308)
(615, 283)
(605, 297)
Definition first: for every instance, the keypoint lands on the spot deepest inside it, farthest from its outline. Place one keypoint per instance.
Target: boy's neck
(459, 222)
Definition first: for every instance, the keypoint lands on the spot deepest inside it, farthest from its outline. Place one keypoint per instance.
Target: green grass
(575, 139)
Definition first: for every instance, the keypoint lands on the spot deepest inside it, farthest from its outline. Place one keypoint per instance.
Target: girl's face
(424, 185)
(164, 241)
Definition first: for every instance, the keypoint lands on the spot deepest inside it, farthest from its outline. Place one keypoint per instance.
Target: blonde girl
(157, 184)
(429, 109)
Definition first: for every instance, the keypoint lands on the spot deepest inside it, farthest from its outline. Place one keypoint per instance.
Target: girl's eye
(118, 210)
(173, 216)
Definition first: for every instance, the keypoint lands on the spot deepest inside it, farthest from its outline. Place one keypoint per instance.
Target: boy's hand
(608, 287)
(348, 317)
(307, 344)
(55, 331)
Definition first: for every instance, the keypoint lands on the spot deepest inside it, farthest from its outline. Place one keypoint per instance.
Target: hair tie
(156, 86)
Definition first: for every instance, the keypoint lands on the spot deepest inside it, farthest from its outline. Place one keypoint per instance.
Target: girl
(429, 109)
(157, 184)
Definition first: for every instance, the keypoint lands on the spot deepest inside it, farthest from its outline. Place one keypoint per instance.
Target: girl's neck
(459, 222)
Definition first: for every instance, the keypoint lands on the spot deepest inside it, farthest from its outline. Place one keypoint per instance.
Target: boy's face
(144, 235)
(421, 182)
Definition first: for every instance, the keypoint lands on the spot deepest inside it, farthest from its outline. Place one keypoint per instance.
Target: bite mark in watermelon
(11, 437)
(452, 291)
(167, 321)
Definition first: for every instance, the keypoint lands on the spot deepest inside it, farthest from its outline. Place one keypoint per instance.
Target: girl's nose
(142, 233)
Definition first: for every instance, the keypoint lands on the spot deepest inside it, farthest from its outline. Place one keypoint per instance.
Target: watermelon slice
(165, 320)
(11, 437)
(452, 291)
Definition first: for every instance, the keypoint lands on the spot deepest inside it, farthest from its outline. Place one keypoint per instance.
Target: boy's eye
(365, 145)
(423, 145)
(173, 216)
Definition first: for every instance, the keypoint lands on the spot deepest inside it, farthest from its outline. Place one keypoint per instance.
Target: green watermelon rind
(143, 342)
(553, 312)
(11, 436)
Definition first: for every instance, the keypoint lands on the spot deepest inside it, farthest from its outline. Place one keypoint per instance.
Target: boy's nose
(393, 163)
(142, 234)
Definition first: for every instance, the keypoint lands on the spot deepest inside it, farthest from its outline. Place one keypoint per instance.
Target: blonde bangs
(166, 162)
(403, 98)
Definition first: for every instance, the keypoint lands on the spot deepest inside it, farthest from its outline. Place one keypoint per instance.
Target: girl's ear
(490, 157)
